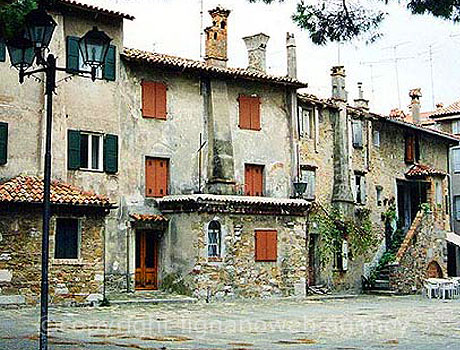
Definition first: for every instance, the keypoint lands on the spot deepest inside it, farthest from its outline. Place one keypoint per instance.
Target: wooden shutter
(2, 50)
(148, 99)
(156, 177)
(73, 150)
(3, 143)
(149, 177)
(160, 101)
(254, 180)
(410, 149)
(357, 128)
(266, 245)
(111, 154)
(109, 72)
(73, 55)
(245, 112)
(255, 113)
(248, 181)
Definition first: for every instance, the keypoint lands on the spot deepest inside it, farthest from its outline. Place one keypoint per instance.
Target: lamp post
(23, 50)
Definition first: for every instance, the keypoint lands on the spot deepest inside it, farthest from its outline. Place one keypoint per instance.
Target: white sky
(173, 27)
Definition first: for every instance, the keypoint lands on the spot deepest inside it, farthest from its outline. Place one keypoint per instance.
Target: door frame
(155, 238)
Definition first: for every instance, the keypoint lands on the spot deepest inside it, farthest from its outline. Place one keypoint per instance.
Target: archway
(434, 270)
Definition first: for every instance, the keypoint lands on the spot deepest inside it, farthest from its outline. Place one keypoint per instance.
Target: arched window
(214, 239)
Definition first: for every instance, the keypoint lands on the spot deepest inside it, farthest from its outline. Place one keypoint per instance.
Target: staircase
(381, 284)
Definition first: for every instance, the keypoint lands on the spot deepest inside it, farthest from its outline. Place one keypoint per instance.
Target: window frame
(168, 174)
(455, 151)
(310, 172)
(354, 124)
(457, 207)
(252, 166)
(376, 138)
(91, 135)
(306, 122)
(258, 235)
(361, 195)
(218, 243)
(456, 127)
(78, 241)
(254, 124)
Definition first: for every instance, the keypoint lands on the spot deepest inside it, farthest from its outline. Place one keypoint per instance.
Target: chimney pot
(415, 95)
(361, 102)
(338, 83)
(291, 56)
(257, 46)
(217, 37)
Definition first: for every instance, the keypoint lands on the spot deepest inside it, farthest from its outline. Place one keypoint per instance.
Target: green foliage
(12, 16)
(425, 207)
(174, 283)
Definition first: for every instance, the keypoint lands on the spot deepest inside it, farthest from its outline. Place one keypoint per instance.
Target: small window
(306, 123)
(456, 127)
(266, 245)
(66, 239)
(214, 239)
(456, 159)
(2, 50)
(360, 189)
(410, 149)
(376, 138)
(249, 110)
(357, 128)
(156, 177)
(308, 176)
(91, 151)
(341, 256)
(254, 180)
(457, 208)
(153, 99)
(378, 195)
(3, 143)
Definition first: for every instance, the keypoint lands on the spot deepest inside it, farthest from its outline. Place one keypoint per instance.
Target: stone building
(364, 161)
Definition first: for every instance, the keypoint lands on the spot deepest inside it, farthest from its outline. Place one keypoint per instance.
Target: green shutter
(73, 150)
(3, 143)
(2, 50)
(110, 64)
(111, 154)
(73, 54)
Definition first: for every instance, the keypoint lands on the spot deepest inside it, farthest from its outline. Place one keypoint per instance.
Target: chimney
(361, 102)
(338, 83)
(415, 95)
(216, 38)
(291, 56)
(439, 106)
(257, 46)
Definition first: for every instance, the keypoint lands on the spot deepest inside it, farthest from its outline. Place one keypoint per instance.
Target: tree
(12, 14)
(342, 20)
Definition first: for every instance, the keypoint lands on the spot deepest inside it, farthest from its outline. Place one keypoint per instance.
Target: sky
(174, 27)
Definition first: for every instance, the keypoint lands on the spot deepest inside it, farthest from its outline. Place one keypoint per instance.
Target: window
(266, 245)
(376, 138)
(306, 122)
(379, 191)
(214, 239)
(357, 128)
(91, 151)
(3, 143)
(156, 177)
(153, 100)
(254, 180)
(457, 208)
(456, 159)
(410, 149)
(74, 62)
(456, 127)
(308, 176)
(66, 239)
(249, 112)
(360, 189)
(2, 50)
(341, 256)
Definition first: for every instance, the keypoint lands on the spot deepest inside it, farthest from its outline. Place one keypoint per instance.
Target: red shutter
(410, 149)
(266, 245)
(248, 181)
(149, 177)
(148, 99)
(255, 113)
(260, 246)
(245, 112)
(254, 180)
(272, 245)
(160, 101)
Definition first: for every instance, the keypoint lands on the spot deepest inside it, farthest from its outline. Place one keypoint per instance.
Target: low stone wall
(73, 281)
(426, 245)
(236, 274)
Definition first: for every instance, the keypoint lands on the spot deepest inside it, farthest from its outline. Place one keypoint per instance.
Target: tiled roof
(29, 189)
(94, 8)
(148, 217)
(167, 61)
(454, 108)
(419, 170)
(235, 199)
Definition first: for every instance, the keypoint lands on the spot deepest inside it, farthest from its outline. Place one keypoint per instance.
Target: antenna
(432, 81)
(201, 29)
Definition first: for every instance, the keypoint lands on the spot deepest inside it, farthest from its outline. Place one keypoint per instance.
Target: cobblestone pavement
(366, 322)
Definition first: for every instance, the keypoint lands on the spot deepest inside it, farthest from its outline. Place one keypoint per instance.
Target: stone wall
(70, 281)
(427, 244)
(184, 252)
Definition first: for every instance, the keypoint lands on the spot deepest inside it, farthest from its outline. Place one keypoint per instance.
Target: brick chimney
(361, 102)
(216, 38)
(338, 83)
(257, 47)
(415, 95)
(291, 56)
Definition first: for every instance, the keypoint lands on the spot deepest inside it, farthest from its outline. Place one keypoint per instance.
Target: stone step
(9, 300)
(386, 292)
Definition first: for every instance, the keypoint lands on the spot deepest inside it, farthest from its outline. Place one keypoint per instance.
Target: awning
(453, 238)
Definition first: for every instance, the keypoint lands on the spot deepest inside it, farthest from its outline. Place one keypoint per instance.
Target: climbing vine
(333, 228)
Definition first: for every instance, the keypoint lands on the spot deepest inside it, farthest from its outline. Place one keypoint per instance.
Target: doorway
(410, 195)
(146, 260)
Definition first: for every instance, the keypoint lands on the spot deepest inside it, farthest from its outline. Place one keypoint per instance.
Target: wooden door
(146, 260)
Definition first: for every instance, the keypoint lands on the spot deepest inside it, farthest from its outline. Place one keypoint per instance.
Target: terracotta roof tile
(161, 60)
(454, 108)
(94, 8)
(419, 170)
(29, 189)
(148, 217)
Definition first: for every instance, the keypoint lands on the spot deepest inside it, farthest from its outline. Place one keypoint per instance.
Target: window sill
(266, 261)
(77, 262)
(249, 129)
(215, 259)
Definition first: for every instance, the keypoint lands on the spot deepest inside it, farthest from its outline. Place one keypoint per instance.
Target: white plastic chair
(431, 289)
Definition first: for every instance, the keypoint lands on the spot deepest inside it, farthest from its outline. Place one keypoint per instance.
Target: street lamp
(23, 50)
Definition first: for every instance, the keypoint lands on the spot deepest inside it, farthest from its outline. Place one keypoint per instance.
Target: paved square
(366, 322)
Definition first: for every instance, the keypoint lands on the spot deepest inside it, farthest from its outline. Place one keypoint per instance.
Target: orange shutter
(161, 177)
(260, 246)
(272, 245)
(148, 99)
(245, 112)
(266, 245)
(410, 149)
(248, 181)
(258, 180)
(149, 177)
(160, 101)
(255, 113)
